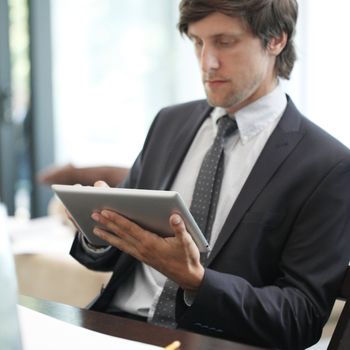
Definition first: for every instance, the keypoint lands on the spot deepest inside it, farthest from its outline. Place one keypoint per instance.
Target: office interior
(81, 81)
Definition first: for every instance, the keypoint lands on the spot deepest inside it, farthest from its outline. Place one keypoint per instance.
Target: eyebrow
(192, 36)
(215, 36)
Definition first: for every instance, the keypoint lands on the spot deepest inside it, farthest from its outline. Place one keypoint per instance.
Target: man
(279, 236)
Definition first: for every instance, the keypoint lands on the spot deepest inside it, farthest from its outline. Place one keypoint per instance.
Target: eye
(197, 43)
(225, 42)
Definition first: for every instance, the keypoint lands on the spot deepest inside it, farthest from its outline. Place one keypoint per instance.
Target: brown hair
(266, 19)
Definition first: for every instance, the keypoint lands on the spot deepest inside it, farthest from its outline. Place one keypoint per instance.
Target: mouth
(212, 83)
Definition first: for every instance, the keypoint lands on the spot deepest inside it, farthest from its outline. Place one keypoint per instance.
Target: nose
(209, 59)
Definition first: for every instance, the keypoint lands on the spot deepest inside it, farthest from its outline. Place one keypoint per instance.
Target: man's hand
(176, 257)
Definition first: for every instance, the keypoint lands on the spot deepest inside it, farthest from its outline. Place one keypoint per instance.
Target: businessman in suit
(280, 233)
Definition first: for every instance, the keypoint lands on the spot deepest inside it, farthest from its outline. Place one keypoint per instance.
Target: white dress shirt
(140, 293)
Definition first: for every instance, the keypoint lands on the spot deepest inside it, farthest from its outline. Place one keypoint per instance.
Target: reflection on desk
(129, 329)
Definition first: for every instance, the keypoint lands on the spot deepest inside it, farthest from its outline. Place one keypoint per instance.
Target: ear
(277, 44)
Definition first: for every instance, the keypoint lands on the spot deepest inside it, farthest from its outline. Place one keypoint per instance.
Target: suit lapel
(182, 142)
(282, 141)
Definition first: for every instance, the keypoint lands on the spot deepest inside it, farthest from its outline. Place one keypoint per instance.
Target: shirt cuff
(189, 298)
(90, 248)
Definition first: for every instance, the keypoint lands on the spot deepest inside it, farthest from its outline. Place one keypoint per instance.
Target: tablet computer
(150, 209)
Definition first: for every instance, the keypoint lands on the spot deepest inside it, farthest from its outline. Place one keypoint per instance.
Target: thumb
(100, 183)
(178, 226)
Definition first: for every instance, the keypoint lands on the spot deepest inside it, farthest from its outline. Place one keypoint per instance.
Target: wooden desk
(129, 329)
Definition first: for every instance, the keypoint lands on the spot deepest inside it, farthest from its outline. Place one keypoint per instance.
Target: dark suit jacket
(274, 271)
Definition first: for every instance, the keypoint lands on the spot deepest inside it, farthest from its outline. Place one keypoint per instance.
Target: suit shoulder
(319, 135)
(315, 138)
(187, 108)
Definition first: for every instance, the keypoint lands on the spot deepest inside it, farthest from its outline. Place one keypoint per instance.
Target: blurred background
(81, 81)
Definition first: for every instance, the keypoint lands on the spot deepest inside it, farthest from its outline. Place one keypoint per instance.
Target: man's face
(236, 69)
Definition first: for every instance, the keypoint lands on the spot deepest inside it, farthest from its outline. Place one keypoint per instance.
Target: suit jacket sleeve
(293, 308)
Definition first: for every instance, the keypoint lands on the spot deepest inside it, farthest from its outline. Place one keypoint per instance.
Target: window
(15, 154)
(319, 84)
(115, 65)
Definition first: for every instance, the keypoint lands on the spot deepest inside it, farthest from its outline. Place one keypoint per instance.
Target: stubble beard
(234, 97)
(231, 99)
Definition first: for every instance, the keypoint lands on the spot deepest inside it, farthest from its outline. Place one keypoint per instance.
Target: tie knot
(226, 126)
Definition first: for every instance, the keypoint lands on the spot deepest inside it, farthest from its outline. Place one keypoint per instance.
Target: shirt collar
(255, 117)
